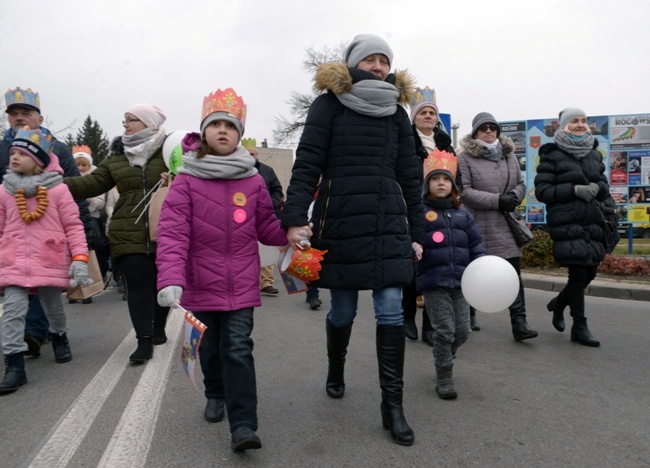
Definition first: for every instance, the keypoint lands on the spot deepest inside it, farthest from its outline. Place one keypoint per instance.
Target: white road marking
(131, 440)
(130, 443)
(66, 436)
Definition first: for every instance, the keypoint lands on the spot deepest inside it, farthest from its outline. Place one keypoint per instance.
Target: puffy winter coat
(451, 242)
(207, 241)
(368, 210)
(40, 253)
(67, 164)
(272, 184)
(133, 183)
(576, 226)
(484, 182)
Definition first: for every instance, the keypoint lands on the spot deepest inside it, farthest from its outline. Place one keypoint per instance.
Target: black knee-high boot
(338, 339)
(520, 329)
(390, 356)
(557, 306)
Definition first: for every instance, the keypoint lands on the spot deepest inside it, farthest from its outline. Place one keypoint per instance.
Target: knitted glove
(79, 273)
(169, 296)
(417, 251)
(587, 192)
(508, 202)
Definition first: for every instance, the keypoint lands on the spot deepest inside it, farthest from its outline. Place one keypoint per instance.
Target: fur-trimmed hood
(336, 77)
(473, 148)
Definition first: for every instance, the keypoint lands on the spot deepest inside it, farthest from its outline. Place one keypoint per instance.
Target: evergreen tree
(70, 141)
(92, 135)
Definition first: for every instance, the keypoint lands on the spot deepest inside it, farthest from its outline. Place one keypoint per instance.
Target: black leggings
(140, 274)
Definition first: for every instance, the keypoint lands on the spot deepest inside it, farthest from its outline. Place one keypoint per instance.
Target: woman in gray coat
(493, 184)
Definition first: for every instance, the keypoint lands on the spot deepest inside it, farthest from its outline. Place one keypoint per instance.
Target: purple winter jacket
(207, 241)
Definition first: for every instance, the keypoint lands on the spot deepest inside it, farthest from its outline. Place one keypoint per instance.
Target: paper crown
(24, 97)
(82, 149)
(35, 143)
(224, 101)
(249, 143)
(424, 95)
(441, 161)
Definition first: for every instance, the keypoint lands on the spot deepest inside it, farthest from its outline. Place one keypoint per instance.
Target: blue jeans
(226, 355)
(36, 323)
(387, 303)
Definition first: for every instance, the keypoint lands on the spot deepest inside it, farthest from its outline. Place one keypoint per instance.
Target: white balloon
(172, 146)
(490, 284)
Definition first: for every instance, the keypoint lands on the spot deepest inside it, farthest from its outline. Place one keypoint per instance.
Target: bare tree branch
(288, 130)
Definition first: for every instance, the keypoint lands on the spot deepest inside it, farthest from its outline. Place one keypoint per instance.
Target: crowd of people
(399, 211)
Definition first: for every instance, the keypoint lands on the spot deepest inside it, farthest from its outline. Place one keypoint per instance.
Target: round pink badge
(239, 215)
(438, 237)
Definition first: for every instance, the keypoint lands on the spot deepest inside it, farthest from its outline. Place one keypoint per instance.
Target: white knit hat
(150, 115)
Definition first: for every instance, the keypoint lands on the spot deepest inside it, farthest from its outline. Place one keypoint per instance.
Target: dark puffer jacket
(575, 226)
(451, 242)
(133, 183)
(368, 210)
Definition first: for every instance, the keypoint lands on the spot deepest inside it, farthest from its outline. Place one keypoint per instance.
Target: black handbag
(609, 230)
(520, 231)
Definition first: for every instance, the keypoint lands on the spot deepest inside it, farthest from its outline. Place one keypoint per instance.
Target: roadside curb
(598, 288)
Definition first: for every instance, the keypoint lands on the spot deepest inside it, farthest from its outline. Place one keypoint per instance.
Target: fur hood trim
(472, 147)
(335, 77)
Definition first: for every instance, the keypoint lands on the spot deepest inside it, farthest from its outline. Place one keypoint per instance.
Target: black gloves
(508, 202)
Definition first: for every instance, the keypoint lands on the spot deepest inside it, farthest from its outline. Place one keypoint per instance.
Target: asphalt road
(545, 402)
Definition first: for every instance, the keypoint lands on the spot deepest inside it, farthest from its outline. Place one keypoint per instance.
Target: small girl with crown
(217, 209)
(42, 245)
(452, 240)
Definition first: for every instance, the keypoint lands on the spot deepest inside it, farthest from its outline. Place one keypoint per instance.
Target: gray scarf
(238, 165)
(371, 97)
(139, 147)
(13, 181)
(576, 147)
(491, 152)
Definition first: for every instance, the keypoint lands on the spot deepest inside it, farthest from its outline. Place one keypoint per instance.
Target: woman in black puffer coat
(571, 182)
(368, 214)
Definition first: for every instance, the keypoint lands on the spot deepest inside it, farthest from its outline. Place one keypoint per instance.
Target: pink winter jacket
(207, 241)
(40, 253)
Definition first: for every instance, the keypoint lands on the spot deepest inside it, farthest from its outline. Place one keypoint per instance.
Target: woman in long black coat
(571, 182)
(368, 214)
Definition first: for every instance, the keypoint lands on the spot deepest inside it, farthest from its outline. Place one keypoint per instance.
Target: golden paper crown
(25, 97)
(424, 95)
(249, 143)
(82, 149)
(224, 101)
(441, 161)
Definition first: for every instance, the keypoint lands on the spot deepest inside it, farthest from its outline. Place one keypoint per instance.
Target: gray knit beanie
(239, 125)
(418, 107)
(483, 118)
(364, 45)
(568, 114)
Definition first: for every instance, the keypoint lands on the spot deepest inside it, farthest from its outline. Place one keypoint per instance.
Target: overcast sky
(516, 59)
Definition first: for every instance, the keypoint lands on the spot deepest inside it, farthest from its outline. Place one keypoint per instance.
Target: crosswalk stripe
(130, 443)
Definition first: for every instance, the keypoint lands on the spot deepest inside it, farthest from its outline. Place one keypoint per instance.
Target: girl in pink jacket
(217, 209)
(42, 245)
